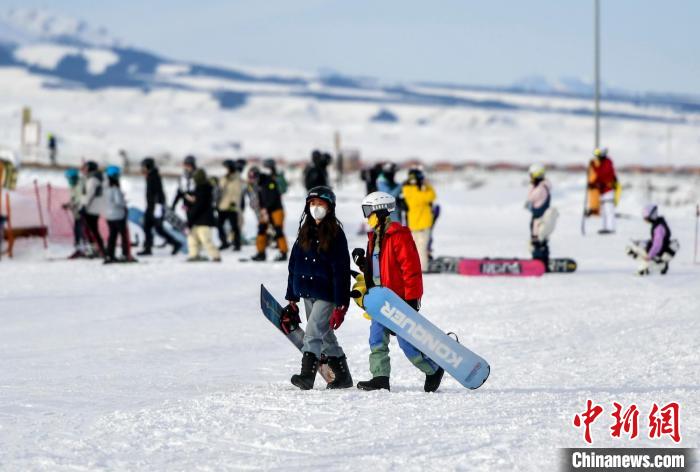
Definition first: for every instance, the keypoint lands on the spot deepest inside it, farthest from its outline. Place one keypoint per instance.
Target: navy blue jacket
(321, 275)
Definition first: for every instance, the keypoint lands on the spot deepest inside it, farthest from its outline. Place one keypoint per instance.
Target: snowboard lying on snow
(388, 309)
(507, 266)
(273, 311)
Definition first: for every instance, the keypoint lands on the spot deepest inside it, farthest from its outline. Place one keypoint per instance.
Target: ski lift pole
(697, 223)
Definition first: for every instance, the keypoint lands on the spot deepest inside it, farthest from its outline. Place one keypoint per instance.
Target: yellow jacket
(420, 206)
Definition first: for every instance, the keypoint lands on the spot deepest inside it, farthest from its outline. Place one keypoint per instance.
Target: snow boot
(432, 382)
(77, 254)
(145, 252)
(309, 366)
(377, 383)
(224, 246)
(259, 257)
(339, 366)
(664, 268)
(281, 257)
(176, 248)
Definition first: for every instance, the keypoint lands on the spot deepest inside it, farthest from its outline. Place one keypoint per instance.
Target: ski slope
(170, 366)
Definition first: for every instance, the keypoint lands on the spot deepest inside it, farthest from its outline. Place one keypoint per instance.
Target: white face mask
(318, 212)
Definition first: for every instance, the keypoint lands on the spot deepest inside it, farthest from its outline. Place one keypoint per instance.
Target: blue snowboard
(136, 216)
(395, 314)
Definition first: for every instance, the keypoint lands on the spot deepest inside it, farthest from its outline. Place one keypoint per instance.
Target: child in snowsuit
(419, 197)
(657, 252)
(115, 214)
(200, 218)
(544, 216)
(319, 272)
(391, 261)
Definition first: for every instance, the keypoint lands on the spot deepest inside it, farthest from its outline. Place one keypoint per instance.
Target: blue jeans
(379, 362)
(319, 338)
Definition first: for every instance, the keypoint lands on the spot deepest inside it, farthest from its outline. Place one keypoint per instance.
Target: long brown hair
(325, 231)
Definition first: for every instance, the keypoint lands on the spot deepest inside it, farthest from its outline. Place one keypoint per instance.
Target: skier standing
(115, 214)
(386, 182)
(316, 173)
(73, 205)
(53, 148)
(319, 272)
(91, 203)
(200, 218)
(271, 213)
(539, 197)
(391, 261)
(186, 183)
(658, 251)
(230, 191)
(419, 197)
(278, 176)
(155, 203)
(602, 178)
(370, 175)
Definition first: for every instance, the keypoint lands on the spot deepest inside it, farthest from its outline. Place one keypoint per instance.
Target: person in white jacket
(544, 216)
(116, 215)
(92, 202)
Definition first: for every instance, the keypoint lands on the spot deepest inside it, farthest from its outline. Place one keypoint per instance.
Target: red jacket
(399, 264)
(605, 177)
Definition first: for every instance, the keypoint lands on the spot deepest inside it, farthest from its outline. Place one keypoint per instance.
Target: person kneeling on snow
(657, 252)
(392, 261)
(319, 272)
(200, 218)
(544, 216)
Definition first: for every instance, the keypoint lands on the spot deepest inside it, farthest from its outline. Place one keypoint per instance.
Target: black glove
(358, 256)
(289, 319)
(415, 304)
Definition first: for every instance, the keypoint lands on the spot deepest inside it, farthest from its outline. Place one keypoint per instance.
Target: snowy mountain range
(48, 56)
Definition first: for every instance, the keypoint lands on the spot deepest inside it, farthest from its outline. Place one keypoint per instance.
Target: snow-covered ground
(168, 365)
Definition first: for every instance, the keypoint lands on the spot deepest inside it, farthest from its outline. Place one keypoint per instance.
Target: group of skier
(90, 198)
(602, 196)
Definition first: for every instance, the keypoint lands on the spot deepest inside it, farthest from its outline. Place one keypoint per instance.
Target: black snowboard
(273, 311)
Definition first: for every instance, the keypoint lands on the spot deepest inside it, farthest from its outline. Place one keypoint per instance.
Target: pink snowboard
(501, 267)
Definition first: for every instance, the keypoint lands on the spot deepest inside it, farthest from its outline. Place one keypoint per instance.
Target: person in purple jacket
(657, 252)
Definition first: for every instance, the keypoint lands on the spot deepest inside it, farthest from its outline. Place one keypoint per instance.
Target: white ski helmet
(378, 201)
(536, 171)
(650, 211)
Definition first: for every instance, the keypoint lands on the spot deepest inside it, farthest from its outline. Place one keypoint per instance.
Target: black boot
(259, 257)
(145, 252)
(176, 247)
(339, 366)
(281, 257)
(309, 366)
(377, 383)
(432, 382)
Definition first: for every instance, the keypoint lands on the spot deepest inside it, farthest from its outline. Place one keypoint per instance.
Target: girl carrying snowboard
(392, 261)
(319, 272)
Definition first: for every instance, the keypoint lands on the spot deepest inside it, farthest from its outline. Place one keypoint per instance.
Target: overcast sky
(648, 45)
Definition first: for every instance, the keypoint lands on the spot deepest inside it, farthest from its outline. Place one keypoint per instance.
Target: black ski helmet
(148, 163)
(322, 192)
(190, 161)
(230, 165)
(270, 164)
